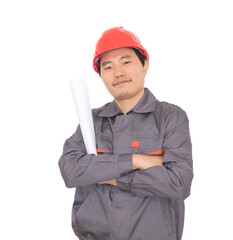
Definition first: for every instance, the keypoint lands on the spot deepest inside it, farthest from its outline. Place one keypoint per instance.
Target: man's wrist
(135, 162)
(142, 162)
(111, 182)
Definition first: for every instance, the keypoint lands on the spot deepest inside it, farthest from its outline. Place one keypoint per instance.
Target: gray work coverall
(145, 205)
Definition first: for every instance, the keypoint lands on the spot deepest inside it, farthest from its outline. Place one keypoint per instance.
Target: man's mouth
(121, 82)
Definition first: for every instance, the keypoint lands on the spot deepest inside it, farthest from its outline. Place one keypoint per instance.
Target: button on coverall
(145, 205)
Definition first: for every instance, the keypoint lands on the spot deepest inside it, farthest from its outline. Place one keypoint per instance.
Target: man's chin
(122, 95)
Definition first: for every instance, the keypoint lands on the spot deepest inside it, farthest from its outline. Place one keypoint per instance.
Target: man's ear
(146, 67)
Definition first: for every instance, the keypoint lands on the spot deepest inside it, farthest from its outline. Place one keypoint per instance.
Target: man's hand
(142, 162)
(111, 182)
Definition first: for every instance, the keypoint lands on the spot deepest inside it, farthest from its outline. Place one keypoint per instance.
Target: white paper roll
(82, 103)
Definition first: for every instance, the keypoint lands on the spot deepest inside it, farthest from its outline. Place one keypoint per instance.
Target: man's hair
(141, 57)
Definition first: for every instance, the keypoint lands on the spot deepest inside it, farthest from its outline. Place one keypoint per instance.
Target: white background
(46, 43)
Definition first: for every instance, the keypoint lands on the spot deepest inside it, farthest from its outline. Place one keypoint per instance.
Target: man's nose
(119, 72)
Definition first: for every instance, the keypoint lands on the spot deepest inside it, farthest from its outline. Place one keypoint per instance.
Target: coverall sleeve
(173, 179)
(81, 169)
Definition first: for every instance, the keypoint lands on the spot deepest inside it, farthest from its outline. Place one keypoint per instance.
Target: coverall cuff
(125, 163)
(126, 179)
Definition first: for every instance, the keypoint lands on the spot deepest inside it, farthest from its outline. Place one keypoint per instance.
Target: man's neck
(126, 105)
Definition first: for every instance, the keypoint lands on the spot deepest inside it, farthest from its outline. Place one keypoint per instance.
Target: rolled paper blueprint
(82, 103)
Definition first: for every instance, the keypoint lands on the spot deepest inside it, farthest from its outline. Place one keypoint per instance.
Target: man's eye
(107, 68)
(127, 62)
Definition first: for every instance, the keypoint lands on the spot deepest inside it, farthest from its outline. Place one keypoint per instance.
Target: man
(134, 189)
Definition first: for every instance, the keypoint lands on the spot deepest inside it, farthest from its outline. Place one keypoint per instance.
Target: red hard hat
(114, 38)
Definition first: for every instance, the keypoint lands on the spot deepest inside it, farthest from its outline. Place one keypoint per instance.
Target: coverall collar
(145, 105)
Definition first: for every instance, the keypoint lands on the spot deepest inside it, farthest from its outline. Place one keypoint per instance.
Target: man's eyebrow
(105, 63)
(125, 57)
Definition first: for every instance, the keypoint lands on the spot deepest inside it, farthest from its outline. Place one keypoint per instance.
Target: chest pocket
(151, 146)
(104, 145)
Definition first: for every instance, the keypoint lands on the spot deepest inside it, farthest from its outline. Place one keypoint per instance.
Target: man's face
(123, 74)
